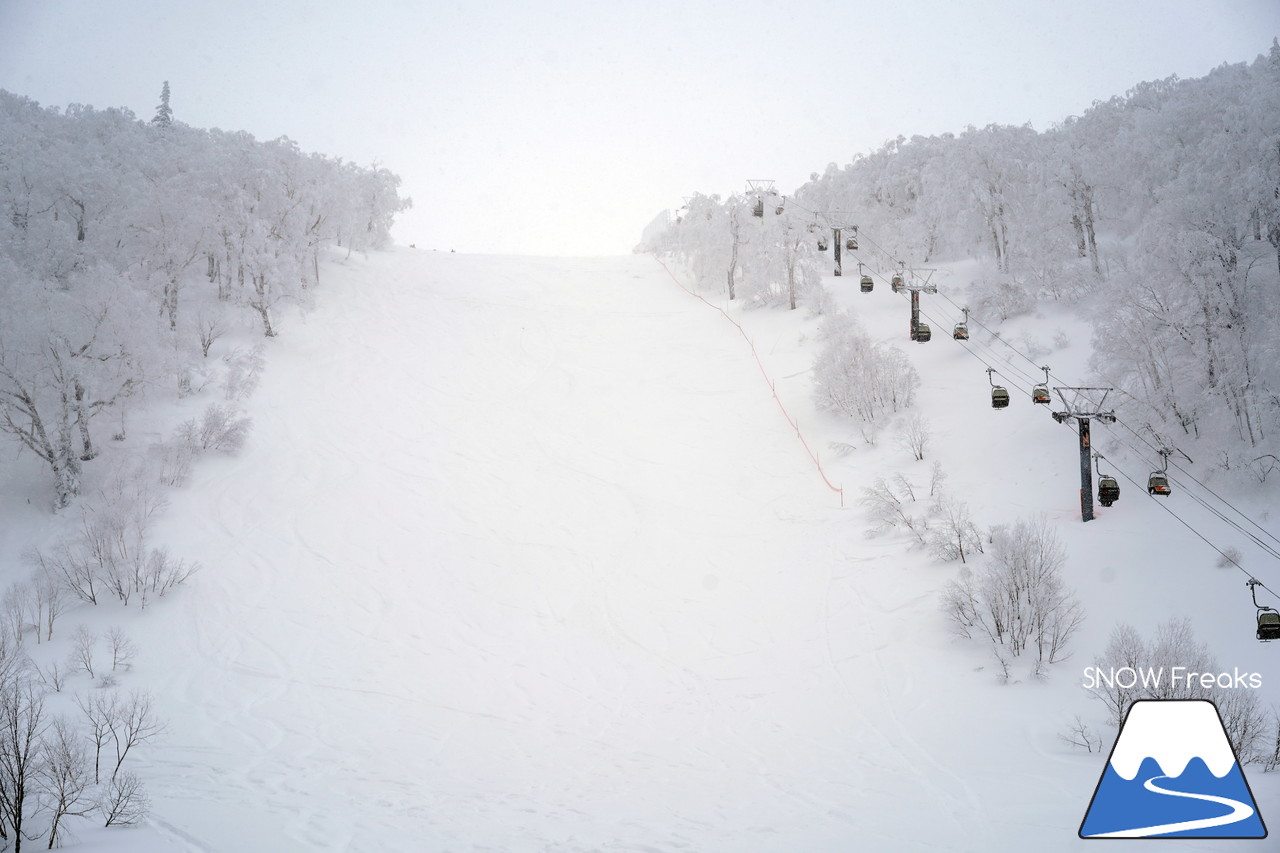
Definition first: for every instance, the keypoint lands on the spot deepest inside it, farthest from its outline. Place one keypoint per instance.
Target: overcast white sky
(556, 128)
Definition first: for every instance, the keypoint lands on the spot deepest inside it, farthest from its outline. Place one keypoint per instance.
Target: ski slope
(522, 556)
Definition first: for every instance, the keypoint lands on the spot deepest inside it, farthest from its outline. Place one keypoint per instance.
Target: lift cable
(1225, 556)
(1215, 511)
(1190, 492)
(1204, 486)
(874, 270)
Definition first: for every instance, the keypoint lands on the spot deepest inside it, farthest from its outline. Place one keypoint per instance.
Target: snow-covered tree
(164, 114)
(858, 377)
(120, 247)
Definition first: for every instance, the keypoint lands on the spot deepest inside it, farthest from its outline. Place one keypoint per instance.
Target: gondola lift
(1108, 490)
(758, 210)
(1268, 624)
(865, 284)
(1268, 617)
(923, 333)
(1040, 391)
(1108, 487)
(1158, 482)
(961, 331)
(822, 244)
(896, 284)
(999, 394)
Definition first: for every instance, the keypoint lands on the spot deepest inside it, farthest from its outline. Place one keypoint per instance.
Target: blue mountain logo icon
(1172, 774)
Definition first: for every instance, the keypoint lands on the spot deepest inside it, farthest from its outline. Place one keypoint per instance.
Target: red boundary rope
(759, 363)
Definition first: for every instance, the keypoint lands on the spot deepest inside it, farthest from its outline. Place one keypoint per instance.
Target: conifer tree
(164, 114)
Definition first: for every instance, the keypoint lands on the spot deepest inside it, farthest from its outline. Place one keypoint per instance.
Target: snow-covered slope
(521, 556)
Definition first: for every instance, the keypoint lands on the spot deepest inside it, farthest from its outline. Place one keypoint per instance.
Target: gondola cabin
(822, 244)
(923, 332)
(896, 284)
(961, 332)
(851, 244)
(777, 211)
(758, 210)
(999, 397)
(1158, 484)
(1108, 491)
(1268, 625)
(866, 284)
(1040, 394)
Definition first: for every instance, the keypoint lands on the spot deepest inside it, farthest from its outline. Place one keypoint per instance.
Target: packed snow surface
(522, 556)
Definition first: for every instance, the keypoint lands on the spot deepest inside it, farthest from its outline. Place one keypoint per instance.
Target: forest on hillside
(1157, 213)
(127, 247)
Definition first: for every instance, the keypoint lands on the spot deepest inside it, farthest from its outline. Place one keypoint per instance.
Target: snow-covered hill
(522, 556)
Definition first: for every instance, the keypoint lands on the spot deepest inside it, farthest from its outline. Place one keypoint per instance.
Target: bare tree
(210, 329)
(122, 648)
(855, 375)
(14, 663)
(109, 550)
(915, 436)
(1019, 603)
(134, 723)
(66, 778)
(100, 710)
(21, 724)
(72, 568)
(19, 602)
(221, 428)
(123, 802)
(954, 536)
(1271, 754)
(173, 463)
(53, 676)
(1080, 735)
(82, 644)
(51, 600)
(162, 573)
(1246, 722)
(243, 370)
(936, 479)
(889, 507)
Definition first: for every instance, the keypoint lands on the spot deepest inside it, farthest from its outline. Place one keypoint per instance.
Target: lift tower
(1081, 407)
(916, 289)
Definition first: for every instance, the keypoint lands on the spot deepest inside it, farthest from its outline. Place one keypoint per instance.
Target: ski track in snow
(521, 557)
